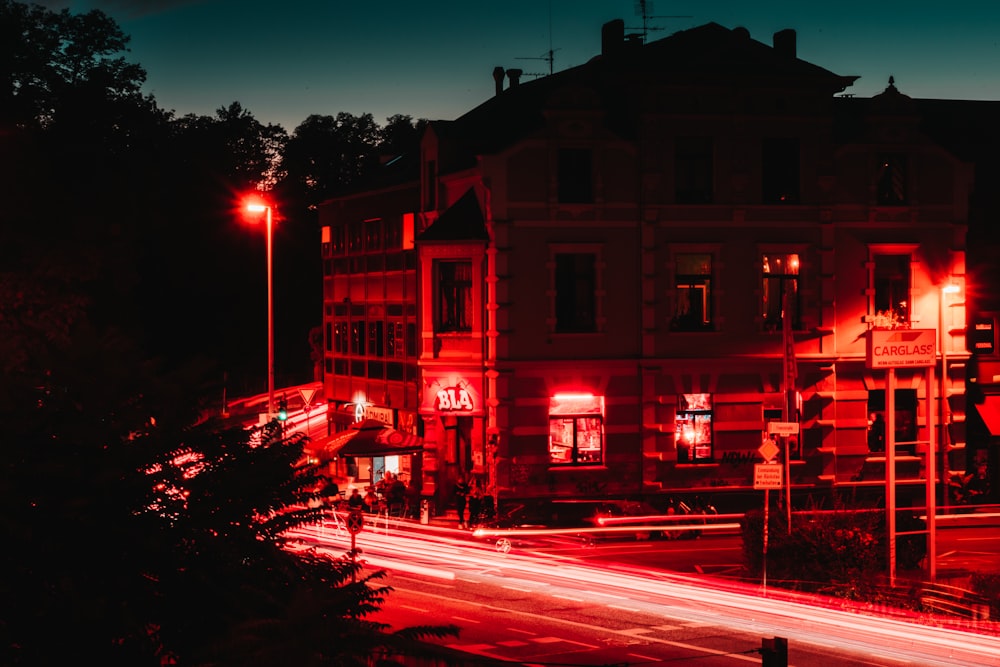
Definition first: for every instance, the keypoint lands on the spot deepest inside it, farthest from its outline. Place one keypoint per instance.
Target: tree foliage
(137, 531)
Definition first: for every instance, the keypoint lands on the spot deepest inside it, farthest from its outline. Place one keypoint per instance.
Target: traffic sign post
(767, 476)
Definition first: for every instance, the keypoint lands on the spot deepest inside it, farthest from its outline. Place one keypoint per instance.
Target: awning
(989, 410)
(366, 438)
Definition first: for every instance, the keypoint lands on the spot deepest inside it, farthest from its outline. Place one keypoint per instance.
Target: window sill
(554, 467)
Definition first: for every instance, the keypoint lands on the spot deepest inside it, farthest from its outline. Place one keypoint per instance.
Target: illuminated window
(780, 291)
(891, 290)
(454, 302)
(340, 337)
(693, 428)
(693, 296)
(576, 429)
(575, 176)
(780, 171)
(373, 234)
(891, 188)
(693, 170)
(576, 292)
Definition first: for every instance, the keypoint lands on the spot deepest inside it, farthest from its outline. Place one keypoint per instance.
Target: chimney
(515, 77)
(612, 36)
(784, 43)
(498, 77)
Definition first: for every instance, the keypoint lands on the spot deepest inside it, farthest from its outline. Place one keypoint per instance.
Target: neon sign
(453, 399)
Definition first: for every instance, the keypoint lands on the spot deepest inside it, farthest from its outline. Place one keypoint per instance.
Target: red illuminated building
(609, 280)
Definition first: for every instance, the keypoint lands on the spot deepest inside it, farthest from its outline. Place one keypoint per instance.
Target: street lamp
(257, 207)
(944, 407)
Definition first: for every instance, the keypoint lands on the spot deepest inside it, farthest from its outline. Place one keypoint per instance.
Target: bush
(841, 551)
(987, 585)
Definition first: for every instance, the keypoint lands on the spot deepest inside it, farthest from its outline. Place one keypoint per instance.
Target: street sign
(783, 428)
(355, 522)
(769, 450)
(767, 476)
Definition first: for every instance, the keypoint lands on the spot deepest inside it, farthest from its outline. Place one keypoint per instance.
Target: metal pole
(931, 492)
(270, 319)
(890, 469)
(943, 393)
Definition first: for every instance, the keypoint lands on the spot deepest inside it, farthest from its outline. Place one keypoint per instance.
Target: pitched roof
(618, 84)
(462, 221)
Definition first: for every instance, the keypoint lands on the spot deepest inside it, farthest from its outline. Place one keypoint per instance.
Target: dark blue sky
(286, 60)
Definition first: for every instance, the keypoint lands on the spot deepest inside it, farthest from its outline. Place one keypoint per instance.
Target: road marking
(420, 609)
(512, 643)
(644, 657)
(467, 620)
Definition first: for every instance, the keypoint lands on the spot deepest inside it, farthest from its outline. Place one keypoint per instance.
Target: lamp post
(945, 412)
(256, 207)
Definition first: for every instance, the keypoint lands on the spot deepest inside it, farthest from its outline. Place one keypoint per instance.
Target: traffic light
(282, 409)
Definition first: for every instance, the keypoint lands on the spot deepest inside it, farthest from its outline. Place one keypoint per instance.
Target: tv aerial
(548, 56)
(644, 8)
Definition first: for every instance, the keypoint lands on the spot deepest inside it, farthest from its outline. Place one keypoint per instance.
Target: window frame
(453, 296)
(700, 407)
(785, 259)
(703, 283)
(593, 324)
(583, 413)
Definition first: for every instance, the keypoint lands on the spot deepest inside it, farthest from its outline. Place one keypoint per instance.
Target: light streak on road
(804, 618)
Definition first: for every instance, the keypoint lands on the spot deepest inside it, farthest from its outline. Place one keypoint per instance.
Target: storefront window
(693, 428)
(576, 429)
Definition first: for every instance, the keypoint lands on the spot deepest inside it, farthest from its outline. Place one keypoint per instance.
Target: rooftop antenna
(550, 55)
(644, 8)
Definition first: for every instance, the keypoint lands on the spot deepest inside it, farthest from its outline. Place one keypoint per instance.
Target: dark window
(394, 233)
(411, 340)
(329, 337)
(376, 370)
(373, 235)
(376, 340)
(576, 284)
(780, 291)
(905, 418)
(394, 371)
(358, 368)
(337, 234)
(358, 338)
(780, 171)
(693, 284)
(892, 290)
(575, 176)
(454, 295)
(693, 170)
(340, 366)
(891, 190)
(356, 237)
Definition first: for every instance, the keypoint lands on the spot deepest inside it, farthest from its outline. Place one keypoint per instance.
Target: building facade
(611, 280)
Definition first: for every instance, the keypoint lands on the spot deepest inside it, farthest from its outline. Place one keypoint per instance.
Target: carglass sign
(901, 348)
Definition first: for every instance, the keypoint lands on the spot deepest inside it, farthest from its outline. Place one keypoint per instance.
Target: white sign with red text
(901, 348)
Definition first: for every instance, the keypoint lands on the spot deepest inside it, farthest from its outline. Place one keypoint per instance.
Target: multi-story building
(610, 280)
